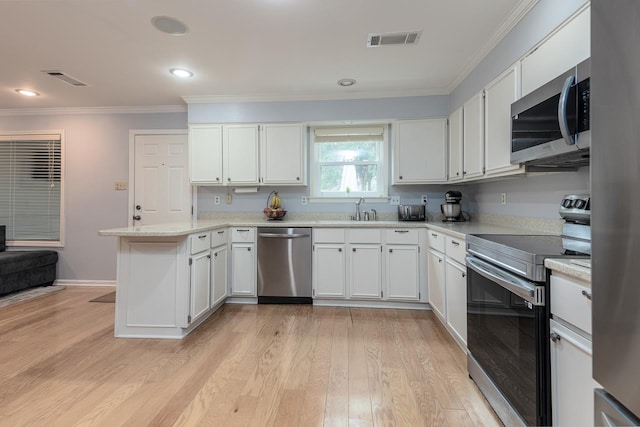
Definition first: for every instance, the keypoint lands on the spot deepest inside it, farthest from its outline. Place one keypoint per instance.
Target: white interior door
(162, 193)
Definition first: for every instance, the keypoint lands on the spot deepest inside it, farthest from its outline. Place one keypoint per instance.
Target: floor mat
(29, 294)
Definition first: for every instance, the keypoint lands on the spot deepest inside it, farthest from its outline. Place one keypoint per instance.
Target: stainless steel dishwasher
(284, 265)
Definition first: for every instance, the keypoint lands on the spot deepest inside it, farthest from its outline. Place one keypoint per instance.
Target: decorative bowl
(271, 214)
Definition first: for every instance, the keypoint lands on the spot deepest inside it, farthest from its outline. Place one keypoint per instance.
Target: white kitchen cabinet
(329, 270)
(566, 47)
(473, 137)
(456, 299)
(402, 272)
(241, 154)
(218, 274)
(420, 151)
(499, 95)
(199, 285)
(365, 271)
(456, 145)
(436, 282)
(282, 154)
(243, 269)
(205, 154)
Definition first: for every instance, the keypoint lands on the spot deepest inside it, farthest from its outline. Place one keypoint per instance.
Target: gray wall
(96, 155)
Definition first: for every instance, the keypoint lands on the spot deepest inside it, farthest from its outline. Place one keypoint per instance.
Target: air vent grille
(65, 78)
(388, 39)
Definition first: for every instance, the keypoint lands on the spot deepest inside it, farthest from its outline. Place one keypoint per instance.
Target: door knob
(138, 207)
(137, 217)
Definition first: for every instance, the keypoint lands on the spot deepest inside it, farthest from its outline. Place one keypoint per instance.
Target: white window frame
(383, 166)
(5, 135)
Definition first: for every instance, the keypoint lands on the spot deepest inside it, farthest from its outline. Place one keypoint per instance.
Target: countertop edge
(565, 266)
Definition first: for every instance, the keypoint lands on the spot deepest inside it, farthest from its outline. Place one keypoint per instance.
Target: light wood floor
(246, 365)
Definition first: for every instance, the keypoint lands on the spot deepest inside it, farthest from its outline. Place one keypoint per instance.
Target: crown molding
(517, 14)
(93, 110)
(311, 96)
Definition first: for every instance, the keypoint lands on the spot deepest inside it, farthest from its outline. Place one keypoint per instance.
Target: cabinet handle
(221, 232)
(464, 274)
(401, 231)
(555, 337)
(217, 178)
(215, 255)
(339, 249)
(457, 173)
(204, 236)
(400, 177)
(453, 242)
(209, 256)
(297, 178)
(390, 251)
(242, 230)
(249, 249)
(464, 173)
(434, 234)
(439, 259)
(587, 295)
(228, 179)
(353, 250)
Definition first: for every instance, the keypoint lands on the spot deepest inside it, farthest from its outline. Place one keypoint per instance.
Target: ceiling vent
(64, 77)
(388, 39)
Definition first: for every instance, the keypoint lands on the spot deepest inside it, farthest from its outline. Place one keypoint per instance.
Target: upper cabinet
(247, 154)
(456, 145)
(499, 95)
(282, 154)
(569, 45)
(473, 137)
(420, 151)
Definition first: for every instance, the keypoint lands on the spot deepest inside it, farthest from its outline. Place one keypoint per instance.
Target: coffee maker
(452, 210)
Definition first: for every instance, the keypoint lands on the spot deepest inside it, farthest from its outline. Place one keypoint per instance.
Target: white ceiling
(240, 49)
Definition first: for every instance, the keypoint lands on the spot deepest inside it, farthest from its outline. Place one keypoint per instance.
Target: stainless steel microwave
(550, 127)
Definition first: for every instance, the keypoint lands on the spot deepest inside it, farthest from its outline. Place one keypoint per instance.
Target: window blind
(30, 186)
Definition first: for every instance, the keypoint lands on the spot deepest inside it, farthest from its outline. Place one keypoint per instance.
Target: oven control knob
(580, 204)
(567, 203)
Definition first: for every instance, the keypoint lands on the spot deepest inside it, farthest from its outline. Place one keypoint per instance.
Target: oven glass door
(502, 337)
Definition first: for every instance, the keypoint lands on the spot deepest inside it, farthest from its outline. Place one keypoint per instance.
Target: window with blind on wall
(31, 184)
(349, 161)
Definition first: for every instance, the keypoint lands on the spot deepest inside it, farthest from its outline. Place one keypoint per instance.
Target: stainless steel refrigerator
(615, 207)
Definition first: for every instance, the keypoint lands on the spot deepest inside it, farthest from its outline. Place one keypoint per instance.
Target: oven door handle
(523, 288)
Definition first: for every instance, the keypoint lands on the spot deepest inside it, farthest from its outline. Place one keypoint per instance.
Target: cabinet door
(329, 271)
(455, 145)
(571, 378)
(199, 295)
(403, 272)
(420, 151)
(205, 154)
(218, 275)
(567, 47)
(240, 143)
(282, 154)
(499, 95)
(473, 137)
(456, 299)
(436, 282)
(365, 272)
(243, 269)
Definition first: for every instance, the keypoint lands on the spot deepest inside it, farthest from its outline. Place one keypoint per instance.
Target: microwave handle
(562, 111)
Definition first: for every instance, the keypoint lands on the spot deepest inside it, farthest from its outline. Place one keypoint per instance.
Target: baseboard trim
(98, 283)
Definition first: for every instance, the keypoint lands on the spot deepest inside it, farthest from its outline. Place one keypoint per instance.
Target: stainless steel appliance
(508, 317)
(452, 210)
(616, 231)
(284, 265)
(550, 127)
(411, 213)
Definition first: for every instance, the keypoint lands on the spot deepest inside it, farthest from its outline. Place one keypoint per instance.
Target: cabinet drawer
(243, 235)
(199, 242)
(402, 236)
(456, 249)
(571, 301)
(329, 235)
(359, 235)
(435, 240)
(219, 237)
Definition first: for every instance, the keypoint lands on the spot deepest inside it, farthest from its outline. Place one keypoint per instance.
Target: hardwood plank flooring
(247, 365)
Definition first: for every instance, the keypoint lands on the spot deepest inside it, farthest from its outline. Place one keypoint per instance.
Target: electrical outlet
(121, 185)
(228, 199)
(217, 200)
(503, 198)
(303, 200)
(424, 198)
(395, 200)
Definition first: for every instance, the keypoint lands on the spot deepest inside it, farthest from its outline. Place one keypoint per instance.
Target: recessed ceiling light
(346, 82)
(181, 72)
(27, 92)
(169, 25)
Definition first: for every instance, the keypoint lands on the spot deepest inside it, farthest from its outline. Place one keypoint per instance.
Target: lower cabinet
(456, 299)
(243, 269)
(403, 272)
(218, 274)
(199, 285)
(365, 271)
(437, 282)
(329, 270)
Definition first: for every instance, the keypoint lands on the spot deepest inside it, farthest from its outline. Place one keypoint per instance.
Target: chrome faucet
(357, 218)
(374, 215)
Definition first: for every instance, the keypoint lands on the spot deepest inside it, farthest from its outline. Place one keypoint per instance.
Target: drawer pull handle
(239, 230)
(401, 231)
(587, 295)
(453, 242)
(434, 234)
(221, 232)
(464, 274)
(204, 236)
(439, 259)
(555, 337)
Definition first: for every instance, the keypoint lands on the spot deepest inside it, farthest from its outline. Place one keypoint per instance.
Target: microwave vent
(388, 39)
(564, 162)
(65, 78)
